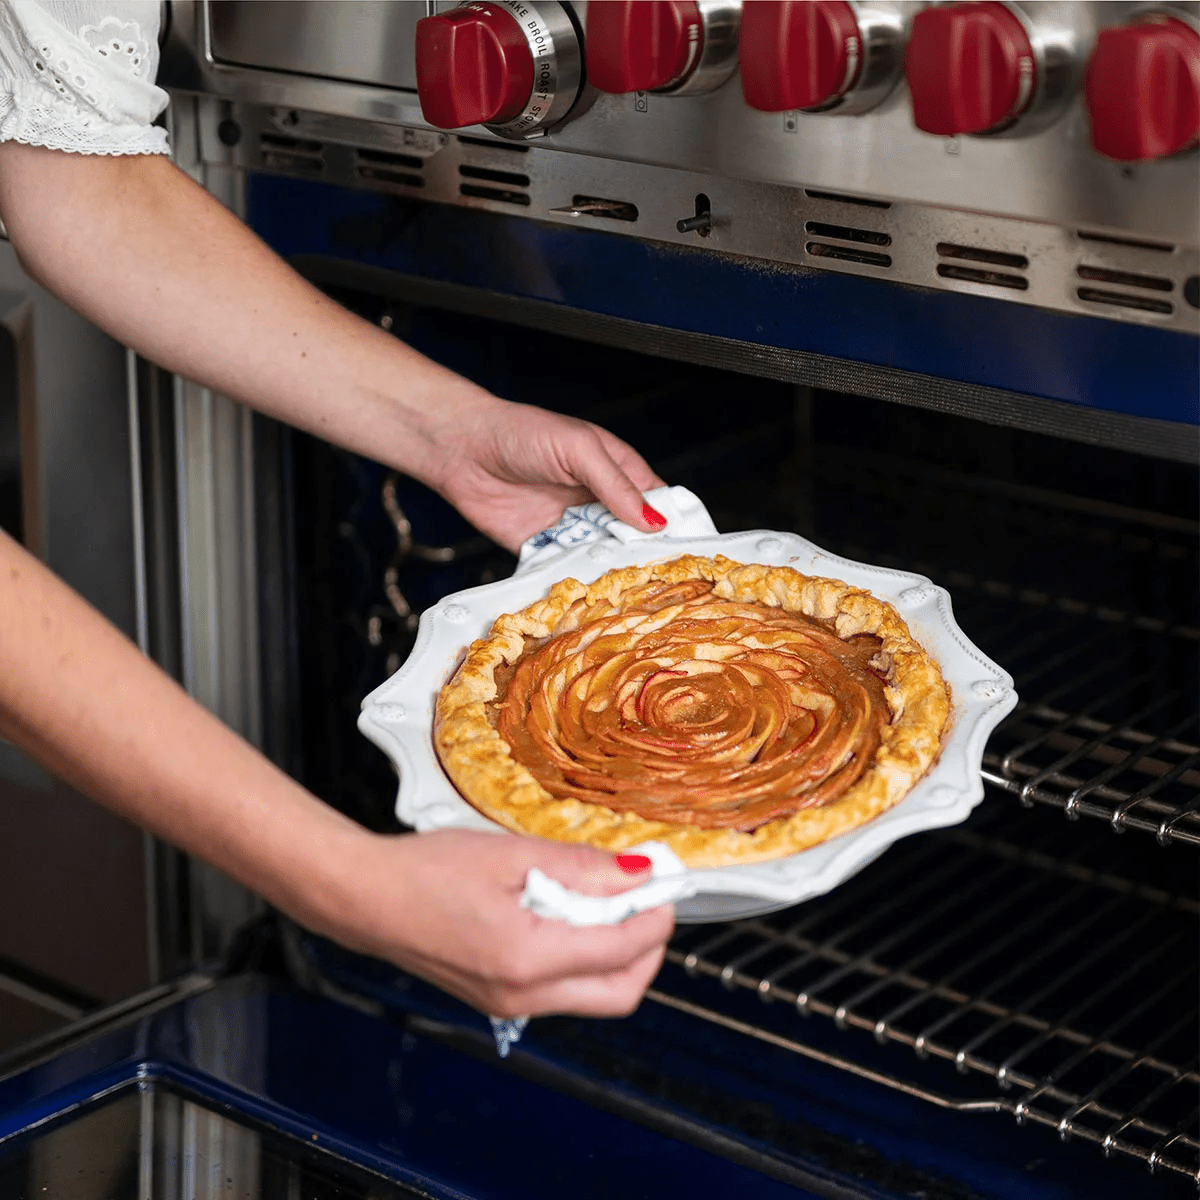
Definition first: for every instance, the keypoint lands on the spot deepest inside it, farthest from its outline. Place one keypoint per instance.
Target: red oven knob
(970, 68)
(798, 53)
(512, 65)
(642, 45)
(473, 66)
(1142, 88)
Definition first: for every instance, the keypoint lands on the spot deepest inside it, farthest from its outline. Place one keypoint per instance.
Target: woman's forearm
(139, 249)
(78, 696)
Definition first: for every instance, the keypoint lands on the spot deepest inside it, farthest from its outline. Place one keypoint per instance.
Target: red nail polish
(633, 864)
(653, 518)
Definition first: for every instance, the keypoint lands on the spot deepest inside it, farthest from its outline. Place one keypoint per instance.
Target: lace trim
(35, 123)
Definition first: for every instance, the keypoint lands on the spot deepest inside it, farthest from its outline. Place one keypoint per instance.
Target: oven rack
(1067, 984)
(1090, 606)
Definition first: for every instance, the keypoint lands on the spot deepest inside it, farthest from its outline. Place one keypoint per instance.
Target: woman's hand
(511, 469)
(445, 906)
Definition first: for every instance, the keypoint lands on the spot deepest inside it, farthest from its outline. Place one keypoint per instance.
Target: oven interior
(1035, 965)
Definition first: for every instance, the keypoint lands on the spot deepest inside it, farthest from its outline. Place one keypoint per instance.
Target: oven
(968, 354)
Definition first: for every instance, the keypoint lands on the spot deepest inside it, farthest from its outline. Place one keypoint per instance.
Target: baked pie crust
(702, 706)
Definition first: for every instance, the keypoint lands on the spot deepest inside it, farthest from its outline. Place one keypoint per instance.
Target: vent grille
(298, 155)
(846, 233)
(1139, 301)
(505, 191)
(981, 254)
(998, 258)
(511, 147)
(868, 258)
(1125, 300)
(1137, 243)
(837, 198)
(847, 243)
(382, 167)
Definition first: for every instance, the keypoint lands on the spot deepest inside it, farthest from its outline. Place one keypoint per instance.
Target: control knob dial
(1142, 88)
(511, 65)
(677, 46)
(970, 68)
(816, 55)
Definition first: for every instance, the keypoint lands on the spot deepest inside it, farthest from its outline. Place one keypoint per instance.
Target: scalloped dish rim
(398, 715)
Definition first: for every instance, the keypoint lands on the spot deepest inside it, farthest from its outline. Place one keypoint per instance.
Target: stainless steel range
(918, 281)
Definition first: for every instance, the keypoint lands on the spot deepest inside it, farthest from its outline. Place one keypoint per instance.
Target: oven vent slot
(282, 153)
(976, 275)
(1126, 300)
(380, 166)
(868, 258)
(505, 194)
(1153, 283)
(998, 258)
(861, 201)
(856, 251)
(512, 147)
(596, 206)
(1137, 243)
(978, 254)
(1127, 279)
(845, 233)
(509, 177)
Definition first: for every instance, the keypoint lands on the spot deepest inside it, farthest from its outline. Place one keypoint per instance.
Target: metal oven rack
(1011, 958)
(1033, 960)
(1107, 726)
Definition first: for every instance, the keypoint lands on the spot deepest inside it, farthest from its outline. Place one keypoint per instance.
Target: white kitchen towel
(582, 523)
(668, 882)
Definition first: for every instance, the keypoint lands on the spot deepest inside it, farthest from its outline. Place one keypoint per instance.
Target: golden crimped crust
(481, 766)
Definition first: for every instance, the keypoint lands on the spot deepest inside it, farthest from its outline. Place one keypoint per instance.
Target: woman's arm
(133, 244)
(137, 247)
(78, 697)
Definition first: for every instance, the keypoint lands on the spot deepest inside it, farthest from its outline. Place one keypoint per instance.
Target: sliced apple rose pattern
(735, 712)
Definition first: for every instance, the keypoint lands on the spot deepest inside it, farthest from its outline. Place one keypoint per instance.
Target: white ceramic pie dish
(398, 715)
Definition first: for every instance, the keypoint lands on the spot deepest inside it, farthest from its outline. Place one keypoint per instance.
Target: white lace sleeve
(80, 76)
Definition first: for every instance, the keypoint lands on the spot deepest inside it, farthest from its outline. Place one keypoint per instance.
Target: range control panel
(975, 69)
(1044, 152)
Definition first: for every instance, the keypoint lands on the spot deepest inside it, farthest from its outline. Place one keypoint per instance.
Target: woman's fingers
(616, 475)
(630, 461)
(584, 869)
(558, 951)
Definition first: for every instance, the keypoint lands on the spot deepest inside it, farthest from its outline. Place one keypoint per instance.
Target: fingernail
(653, 517)
(633, 864)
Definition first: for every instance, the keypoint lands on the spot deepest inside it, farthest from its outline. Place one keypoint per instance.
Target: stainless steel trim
(720, 20)
(1062, 33)
(133, 1008)
(1077, 269)
(217, 554)
(882, 28)
(1049, 176)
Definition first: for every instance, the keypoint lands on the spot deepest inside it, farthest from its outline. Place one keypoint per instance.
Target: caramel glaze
(688, 708)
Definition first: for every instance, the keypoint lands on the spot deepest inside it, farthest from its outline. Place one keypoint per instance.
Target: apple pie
(735, 712)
